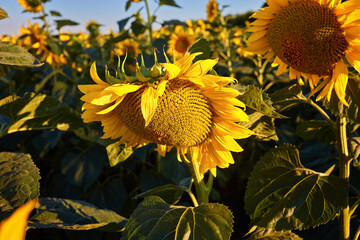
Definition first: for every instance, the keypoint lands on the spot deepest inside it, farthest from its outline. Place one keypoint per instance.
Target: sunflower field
(238, 126)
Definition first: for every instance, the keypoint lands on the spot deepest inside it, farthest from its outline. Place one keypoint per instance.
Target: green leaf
(19, 181)
(82, 169)
(284, 195)
(272, 234)
(154, 219)
(121, 23)
(169, 3)
(316, 129)
(128, 4)
(201, 45)
(38, 112)
(3, 14)
(262, 126)
(138, 27)
(256, 99)
(55, 13)
(117, 152)
(17, 56)
(287, 97)
(170, 193)
(354, 147)
(65, 22)
(75, 215)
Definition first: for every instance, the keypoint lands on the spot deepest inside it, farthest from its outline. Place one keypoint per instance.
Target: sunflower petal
(172, 70)
(149, 102)
(95, 76)
(341, 79)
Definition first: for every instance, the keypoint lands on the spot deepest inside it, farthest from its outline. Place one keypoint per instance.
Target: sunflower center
(182, 117)
(308, 37)
(182, 44)
(33, 3)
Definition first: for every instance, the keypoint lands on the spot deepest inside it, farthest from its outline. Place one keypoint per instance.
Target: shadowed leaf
(284, 195)
(316, 129)
(202, 46)
(65, 22)
(169, 3)
(287, 97)
(3, 14)
(271, 234)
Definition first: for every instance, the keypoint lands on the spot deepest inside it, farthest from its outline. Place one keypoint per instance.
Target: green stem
(149, 24)
(323, 113)
(344, 172)
(227, 46)
(202, 189)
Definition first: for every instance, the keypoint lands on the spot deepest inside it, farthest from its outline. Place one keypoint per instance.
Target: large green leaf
(154, 219)
(117, 152)
(202, 46)
(168, 3)
(316, 129)
(3, 14)
(37, 112)
(65, 22)
(287, 97)
(75, 215)
(17, 56)
(19, 181)
(272, 234)
(82, 169)
(254, 98)
(284, 195)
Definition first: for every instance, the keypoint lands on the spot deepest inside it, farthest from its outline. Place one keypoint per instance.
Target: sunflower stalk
(344, 172)
(149, 23)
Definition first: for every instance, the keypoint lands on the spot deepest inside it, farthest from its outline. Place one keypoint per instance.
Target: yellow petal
(123, 89)
(149, 102)
(341, 79)
(185, 62)
(172, 70)
(227, 141)
(353, 56)
(201, 67)
(90, 88)
(13, 227)
(264, 13)
(281, 69)
(161, 88)
(112, 107)
(94, 75)
(257, 35)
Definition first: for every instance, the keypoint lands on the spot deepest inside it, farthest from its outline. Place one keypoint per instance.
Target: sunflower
(212, 10)
(180, 40)
(182, 107)
(31, 5)
(315, 38)
(129, 46)
(35, 37)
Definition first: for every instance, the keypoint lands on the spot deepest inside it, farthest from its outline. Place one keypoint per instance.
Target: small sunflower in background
(175, 105)
(212, 10)
(31, 5)
(180, 40)
(315, 38)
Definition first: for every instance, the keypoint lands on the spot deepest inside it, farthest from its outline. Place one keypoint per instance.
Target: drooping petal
(172, 70)
(122, 89)
(341, 79)
(95, 76)
(149, 102)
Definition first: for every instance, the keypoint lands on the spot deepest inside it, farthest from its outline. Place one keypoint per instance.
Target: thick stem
(344, 168)
(149, 23)
(202, 189)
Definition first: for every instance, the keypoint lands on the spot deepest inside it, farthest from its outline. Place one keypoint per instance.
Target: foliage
(286, 183)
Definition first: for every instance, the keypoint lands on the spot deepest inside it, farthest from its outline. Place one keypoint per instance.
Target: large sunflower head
(315, 38)
(173, 105)
(180, 40)
(31, 5)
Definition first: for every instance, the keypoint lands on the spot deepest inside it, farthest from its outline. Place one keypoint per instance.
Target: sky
(108, 12)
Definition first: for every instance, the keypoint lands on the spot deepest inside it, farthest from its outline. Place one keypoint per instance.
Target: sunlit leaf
(254, 98)
(19, 181)
(37, 112)
(154, 219)
(65, 22)
(169, 3)
(117, 152)
(316, 129)
(272, 234)
(287, 97)
(17, 56)
(284, 195)
(75, 215)
(3, 14)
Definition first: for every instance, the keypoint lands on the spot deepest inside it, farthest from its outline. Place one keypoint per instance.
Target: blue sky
(108, 12)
